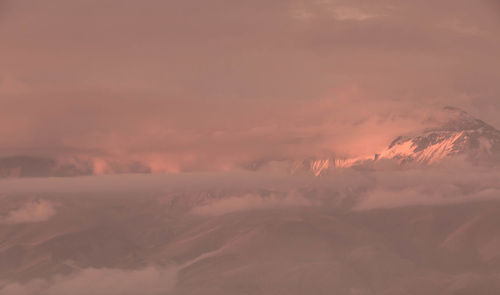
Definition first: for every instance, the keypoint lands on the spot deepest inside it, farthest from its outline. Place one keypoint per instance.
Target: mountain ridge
(458, 134)
(454, 133)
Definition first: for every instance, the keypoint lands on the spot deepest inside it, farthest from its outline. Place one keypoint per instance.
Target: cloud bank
(251, 202)
(237, 191)
(30, 212)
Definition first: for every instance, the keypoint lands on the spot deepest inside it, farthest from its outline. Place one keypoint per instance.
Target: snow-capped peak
(457, 133)
(454, 132)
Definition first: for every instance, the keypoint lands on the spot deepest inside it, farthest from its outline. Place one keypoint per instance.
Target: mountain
(38, 166)
(455, 133)
(320, 166)
(458, 134)
(98, 241)
(31, 166)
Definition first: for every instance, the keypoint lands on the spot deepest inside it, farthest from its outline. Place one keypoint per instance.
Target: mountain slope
(455, 134)
(459, 134)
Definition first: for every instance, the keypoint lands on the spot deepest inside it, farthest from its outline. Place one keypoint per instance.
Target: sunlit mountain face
(459, 135)
(454, 135)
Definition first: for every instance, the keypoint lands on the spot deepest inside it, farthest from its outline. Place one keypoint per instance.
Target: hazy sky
(210, 83)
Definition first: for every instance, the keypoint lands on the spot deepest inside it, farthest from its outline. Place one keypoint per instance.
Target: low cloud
(386, 199)
(388, 187)
(147, 281)
(451, 183)
(30, 212)
(251, 202)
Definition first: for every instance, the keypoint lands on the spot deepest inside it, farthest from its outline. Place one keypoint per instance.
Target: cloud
(387, 199)
(30, 212)
(449, 183)
(313, 10)
(105, 281)
(251, 202)
(332, 208)
(351, 13)
(388, 186)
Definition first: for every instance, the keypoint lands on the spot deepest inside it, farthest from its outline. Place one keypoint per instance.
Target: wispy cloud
(30, 212)
(251, 202)
(352, 13)
(105, 281)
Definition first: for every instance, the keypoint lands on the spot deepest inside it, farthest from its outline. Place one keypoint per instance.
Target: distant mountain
(459, 134)
(35, 166)
(30, 166)
(319, 166)
(455, 134)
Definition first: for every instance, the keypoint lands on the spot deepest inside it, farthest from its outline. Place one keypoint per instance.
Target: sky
(208, 85)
